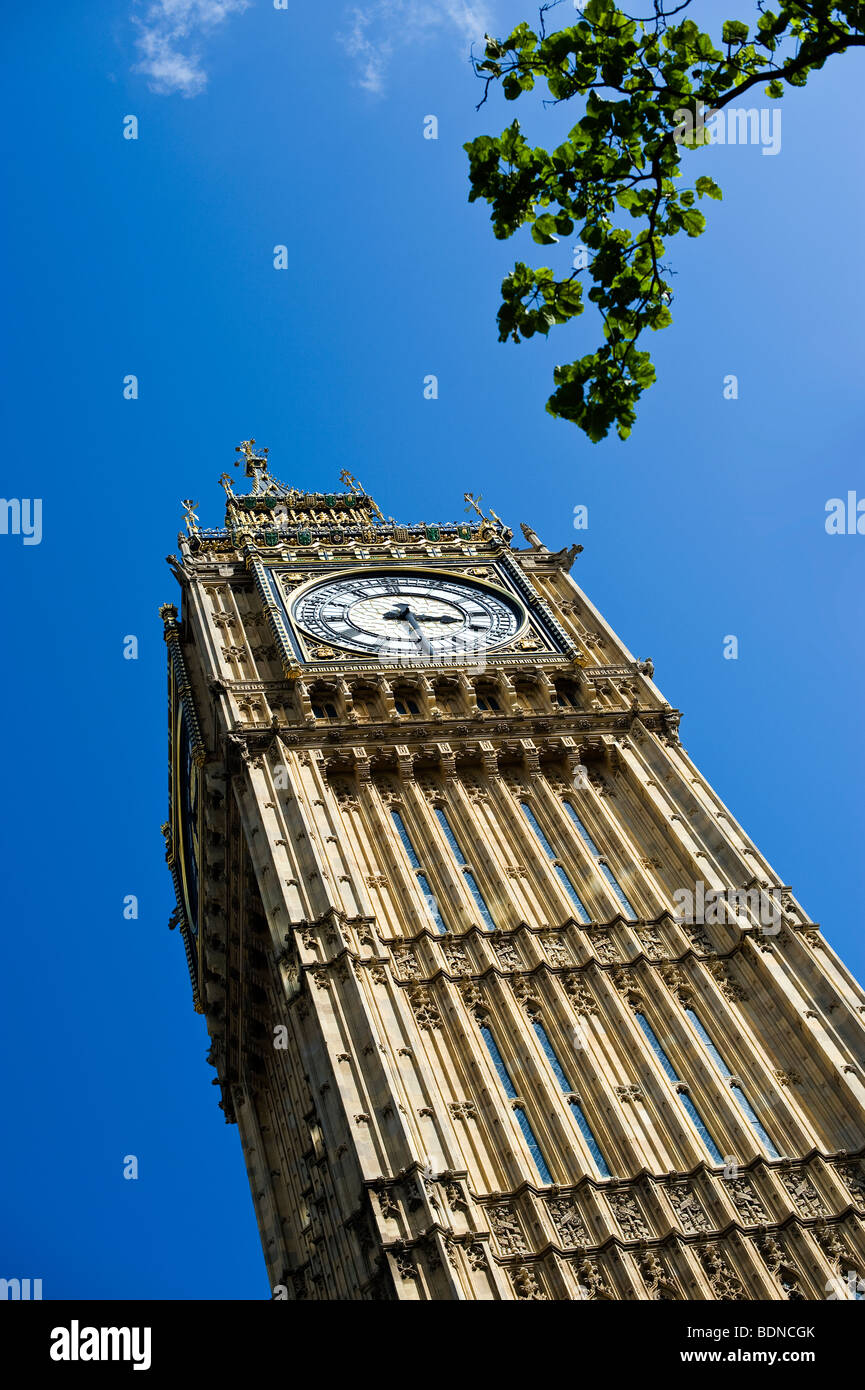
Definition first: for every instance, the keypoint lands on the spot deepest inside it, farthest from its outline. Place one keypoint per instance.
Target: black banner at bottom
(68, 1338)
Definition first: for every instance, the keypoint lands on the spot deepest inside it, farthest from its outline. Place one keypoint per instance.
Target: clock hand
(405, 615)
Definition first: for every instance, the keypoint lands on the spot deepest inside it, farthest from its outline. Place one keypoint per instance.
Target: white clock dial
(405, 613)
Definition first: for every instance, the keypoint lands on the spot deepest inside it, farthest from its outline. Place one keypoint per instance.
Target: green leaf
(543, 230)
(693, 222)
(707, 186)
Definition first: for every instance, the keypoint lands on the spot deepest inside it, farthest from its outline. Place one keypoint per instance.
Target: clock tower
(503, 1001)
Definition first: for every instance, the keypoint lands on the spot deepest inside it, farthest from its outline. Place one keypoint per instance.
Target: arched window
(576, 1106)
(471, 882)
(487, 700)
(423, 882)
(323, 703)
(510, 1091)
(684, 1099)
(566, 695)
(559, 870)
(739, 1095)
(601, 864)
(406, 702)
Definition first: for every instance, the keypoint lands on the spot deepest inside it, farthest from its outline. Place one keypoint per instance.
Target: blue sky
(154, 257)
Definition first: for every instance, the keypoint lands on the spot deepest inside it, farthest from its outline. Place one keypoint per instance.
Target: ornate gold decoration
(253, 456)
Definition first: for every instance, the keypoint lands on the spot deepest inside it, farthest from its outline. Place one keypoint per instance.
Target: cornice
(674, 1176)
(543, 729)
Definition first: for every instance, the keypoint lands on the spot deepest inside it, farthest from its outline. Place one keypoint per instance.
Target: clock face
(408, 614)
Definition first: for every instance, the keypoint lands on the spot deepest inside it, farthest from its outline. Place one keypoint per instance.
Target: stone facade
(580, 1088)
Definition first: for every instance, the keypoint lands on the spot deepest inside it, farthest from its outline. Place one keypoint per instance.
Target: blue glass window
(423, 881)
(450, 836)
(741, 1099)
(324, 711)
(687, 1104)
(522, 1118)
(748, 1111)
(532, 820)
(471, 882)
(406, 842)
(549, 1052)
(604, 869)
(532, 1144)
(696, 1120)
(582, 1123)
(708, 1044)
(562, 875)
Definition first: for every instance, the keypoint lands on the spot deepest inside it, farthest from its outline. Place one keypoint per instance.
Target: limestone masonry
(502, 999)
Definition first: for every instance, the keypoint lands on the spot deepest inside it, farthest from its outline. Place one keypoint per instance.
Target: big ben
(504, 1002)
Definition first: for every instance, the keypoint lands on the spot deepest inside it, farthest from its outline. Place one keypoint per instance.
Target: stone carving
(725, 1285)
(405, 1264)
(600, 784)
(853, 1177)
(387, 1202)
(630, 1093)
(455, 1197)
(699, 940)
(424, 1007)
(688, 1209)
(525, 993)
(606, 948)
(457, 960)
(629, 1216)
(623, 981)
(507, 1230)
(569, 1224)
(406, 963)
(651, 943)
(653, 1274)
(777, 1262)
(476, 1255)
(579, 993)
(526, 1285)
(805, 1196)
(833, 1247)
(474, 999)
(747, 1203)
(462, 1110)
(507, 955)
(728, 985)
(592, 1282)
(678, 984)
(557, 951)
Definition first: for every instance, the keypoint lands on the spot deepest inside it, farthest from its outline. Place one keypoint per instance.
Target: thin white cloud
(379, 29)
(169, 33)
